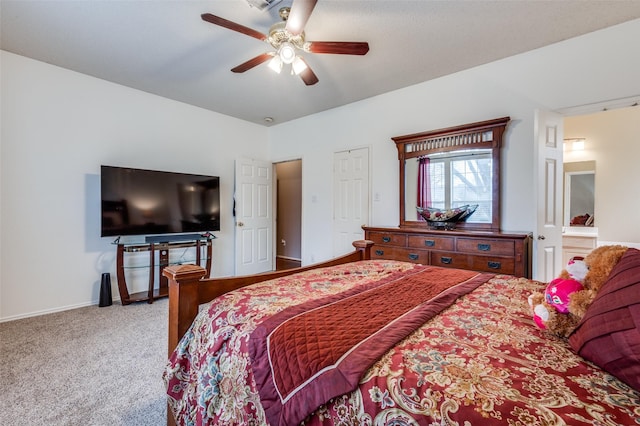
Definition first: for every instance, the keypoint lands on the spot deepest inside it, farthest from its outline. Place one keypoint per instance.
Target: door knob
(541, 237)
(240, 224)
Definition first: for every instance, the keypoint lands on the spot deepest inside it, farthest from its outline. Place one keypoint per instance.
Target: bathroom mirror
(579, 194)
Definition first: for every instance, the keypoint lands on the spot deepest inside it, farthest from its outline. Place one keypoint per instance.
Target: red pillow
(609, 333)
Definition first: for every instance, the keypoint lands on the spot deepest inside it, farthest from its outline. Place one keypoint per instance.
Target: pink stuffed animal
(593, 272)
(554, 301)
(551, 309)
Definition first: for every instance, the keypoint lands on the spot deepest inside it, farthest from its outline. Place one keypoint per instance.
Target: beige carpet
(89, 366)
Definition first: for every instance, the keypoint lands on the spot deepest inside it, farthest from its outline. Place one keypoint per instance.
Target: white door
(254, 218)
(547, 244)
(351, 198)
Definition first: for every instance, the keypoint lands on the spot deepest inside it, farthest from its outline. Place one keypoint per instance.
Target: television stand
(162, 249)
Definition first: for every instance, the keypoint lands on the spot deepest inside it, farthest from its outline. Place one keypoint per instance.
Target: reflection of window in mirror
(451, 179)
(579, 194)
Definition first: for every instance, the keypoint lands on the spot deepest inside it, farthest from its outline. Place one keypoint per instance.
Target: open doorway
(288, 214)
(606, 140)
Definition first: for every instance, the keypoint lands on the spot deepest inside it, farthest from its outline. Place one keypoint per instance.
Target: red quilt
(309, 353)
(481, 361)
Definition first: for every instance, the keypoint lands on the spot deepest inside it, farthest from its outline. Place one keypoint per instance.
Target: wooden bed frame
(188, 290)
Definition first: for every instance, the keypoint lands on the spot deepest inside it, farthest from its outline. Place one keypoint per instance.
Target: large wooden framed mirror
(450, 167)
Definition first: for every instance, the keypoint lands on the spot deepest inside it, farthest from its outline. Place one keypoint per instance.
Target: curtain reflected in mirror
(424, 185)
(449, 180)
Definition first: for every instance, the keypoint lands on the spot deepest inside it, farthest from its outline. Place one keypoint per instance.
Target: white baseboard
(52, 311)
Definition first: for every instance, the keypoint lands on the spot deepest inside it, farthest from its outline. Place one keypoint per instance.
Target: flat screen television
(152, 202)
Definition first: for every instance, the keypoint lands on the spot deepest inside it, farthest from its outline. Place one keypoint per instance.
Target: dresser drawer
(588, 243)
(450, 260)
(498, 265)
(480, 246)
(396, 253)
(390, 239)
(431, 242)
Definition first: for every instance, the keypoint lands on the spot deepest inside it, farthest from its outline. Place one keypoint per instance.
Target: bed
(382, 342)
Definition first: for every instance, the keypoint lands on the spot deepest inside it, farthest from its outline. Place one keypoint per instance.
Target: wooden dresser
(503, 253)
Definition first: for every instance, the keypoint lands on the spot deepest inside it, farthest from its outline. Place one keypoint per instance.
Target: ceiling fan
(287, 38)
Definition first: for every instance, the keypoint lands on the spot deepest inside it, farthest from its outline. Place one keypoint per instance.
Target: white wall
(58, 127)
(613, 142)
(373, 122)
(588, 69)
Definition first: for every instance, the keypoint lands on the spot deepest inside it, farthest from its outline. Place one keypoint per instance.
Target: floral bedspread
(482, 361)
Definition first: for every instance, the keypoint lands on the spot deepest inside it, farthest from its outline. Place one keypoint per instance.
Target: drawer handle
(386, 239)
(494, 265)
(484, 247)
(413, 256)
(379, 252)
(429, 243)
(446, 260)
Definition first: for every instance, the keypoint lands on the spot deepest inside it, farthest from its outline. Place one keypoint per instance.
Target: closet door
(351, 198)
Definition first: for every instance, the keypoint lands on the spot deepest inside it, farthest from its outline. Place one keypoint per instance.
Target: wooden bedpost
(364, 246)
(183, 299)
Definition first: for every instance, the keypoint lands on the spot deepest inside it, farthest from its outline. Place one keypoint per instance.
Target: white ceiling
(164, 48)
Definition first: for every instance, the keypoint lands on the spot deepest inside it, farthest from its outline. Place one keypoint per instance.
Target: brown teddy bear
(566, 298)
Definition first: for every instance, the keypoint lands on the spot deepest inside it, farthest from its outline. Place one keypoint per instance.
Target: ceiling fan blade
(216, 20)
(339, 47)
(299, 15)
(246, 66)
(308, 76)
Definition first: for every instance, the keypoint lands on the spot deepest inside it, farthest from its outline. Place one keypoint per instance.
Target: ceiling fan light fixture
(287, 37)
(287, 53)
(298, 65)
(276, 64)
